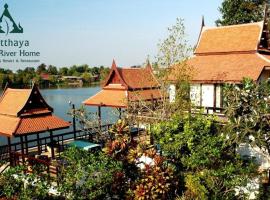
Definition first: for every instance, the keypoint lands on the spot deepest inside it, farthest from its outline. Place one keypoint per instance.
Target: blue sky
(93, 32)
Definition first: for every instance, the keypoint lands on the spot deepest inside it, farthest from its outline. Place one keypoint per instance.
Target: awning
(108, 98)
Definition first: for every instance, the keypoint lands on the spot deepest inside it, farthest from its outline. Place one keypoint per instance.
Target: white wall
(195, 94)
(262, 157)
(208, 95)
(172, 91)
(200, 94)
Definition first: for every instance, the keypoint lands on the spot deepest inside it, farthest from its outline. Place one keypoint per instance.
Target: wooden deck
(40, 145)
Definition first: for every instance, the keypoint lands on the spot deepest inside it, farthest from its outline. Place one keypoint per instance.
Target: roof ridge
(262, 57)
(260, 23)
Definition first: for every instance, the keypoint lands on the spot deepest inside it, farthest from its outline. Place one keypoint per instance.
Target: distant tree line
(49, 74)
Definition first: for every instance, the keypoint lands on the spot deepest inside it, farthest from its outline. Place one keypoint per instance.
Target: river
(59, 99)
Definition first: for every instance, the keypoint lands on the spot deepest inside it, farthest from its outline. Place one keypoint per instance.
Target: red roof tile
(133, 78)
(138, 78)
(41, 123)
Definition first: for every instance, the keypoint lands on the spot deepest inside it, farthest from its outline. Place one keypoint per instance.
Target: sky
(94, 32)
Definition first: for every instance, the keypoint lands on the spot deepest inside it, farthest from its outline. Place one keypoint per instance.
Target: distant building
(73, 80)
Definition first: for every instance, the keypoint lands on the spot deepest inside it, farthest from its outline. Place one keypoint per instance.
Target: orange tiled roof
(109, 98)
(13, 101)
(126, 84)
(228, 54)
(24, 111)
(235, 38)
(227, 67)
(144, 95)
(120, 98)
(138, 78)
(114, 87)
(8, 125)
(40, 124)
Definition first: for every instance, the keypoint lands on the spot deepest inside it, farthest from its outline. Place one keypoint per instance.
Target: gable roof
(13, 101)
(234, 38)
(227, 68)
(138, 78)
(230, 53)
(124, 85)
(133, 78)
(24, 111)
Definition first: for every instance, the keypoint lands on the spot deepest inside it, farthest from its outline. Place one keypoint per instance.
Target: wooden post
(74, 121)
(9, 151)
(120, 113)
(99, 117)
(52, 144)
(38, 143)
(215, 98)
(26, 144)
(22, 148)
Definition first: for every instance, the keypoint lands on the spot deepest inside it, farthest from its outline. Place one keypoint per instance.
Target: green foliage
(241, 11)
(174, 48)
(88, 176)
(24, 78)
(14, 183)
(247, 108)
(207, 163)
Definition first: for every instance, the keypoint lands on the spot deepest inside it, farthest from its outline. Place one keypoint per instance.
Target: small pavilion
(126, 85)
(24, 112)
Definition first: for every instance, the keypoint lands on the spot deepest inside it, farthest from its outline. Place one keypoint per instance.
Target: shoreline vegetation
(49, 76)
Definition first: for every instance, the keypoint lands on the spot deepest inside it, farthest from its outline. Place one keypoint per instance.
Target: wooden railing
(211, 110)
(18, 159)
(41, 143)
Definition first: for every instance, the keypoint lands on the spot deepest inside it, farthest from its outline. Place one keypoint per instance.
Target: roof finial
(114, 64)
(203, 24)
(33, 83)
(148, 65)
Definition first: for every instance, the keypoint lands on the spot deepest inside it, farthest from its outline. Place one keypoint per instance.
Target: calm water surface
(59, 99)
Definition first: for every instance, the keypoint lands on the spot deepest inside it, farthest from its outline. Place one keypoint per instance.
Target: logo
(6, 19)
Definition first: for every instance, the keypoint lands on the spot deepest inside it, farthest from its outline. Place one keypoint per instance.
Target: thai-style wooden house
(24, 112)
(227, 54)
(126, 85)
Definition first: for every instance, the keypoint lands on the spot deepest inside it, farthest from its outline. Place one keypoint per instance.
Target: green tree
(205, 161)
(63, 71)
(88, 176)
(52, 70)
(241, 11)
(87, 77)
(103, 73)
(247, 109)
(174, 48)
(16, 184)
(41, 68)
